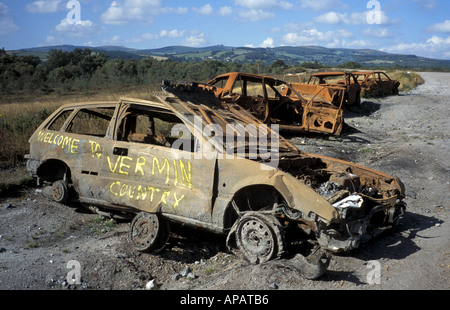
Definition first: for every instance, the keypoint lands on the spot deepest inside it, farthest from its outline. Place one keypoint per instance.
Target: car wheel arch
(52, 170)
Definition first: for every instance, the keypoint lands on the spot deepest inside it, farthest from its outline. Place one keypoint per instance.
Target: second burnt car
(274, 101)
(188, 159)
(376, 83)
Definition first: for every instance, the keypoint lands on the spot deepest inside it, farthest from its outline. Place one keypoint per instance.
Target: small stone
(150, 285)
(273, 285)
(176, 276)
(191, 276)
(185, 271)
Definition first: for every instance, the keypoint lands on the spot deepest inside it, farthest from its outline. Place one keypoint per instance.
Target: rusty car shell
(274, 101)
(376, 83)
(332, 85)
(210, 187)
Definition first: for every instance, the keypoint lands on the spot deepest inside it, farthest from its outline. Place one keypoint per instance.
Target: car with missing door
(188, 159)
(332, 86)
(274, 101)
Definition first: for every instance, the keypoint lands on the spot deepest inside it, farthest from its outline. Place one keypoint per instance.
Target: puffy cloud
(175, 33)
(195, 40)
(434, 47)
(225, 11)
(125, 12)
(43, 6)
(440, 27)
(82, 28)
(255, 15)
(322, 5)
(333, 18)
(264, 4)
(204, 10)
(335, 38)
(267, 43)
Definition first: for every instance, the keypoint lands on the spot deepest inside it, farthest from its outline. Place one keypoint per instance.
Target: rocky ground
(406, 136)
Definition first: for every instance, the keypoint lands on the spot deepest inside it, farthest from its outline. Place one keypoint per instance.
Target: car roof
(329, 73)
(256, 76)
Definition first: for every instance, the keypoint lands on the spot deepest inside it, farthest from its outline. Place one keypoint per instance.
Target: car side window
(153, 127)
(58, 122)
(91, 121)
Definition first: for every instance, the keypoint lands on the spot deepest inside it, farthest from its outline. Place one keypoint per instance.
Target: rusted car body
(176, 161)
(376, 83)
(274, 101)
(332, 85)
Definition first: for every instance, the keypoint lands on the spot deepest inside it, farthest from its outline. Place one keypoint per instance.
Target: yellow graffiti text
(143, 192)
(66, 143)
(179, 172)
(96, 149)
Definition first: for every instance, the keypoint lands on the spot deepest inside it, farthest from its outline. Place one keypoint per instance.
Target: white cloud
(321, 5)
(255, 15)
(256, 10)
(440, 27)
(434, 47)
(204, 10)
(315, 37)
(264, 4)
(195, 40)
(178, 10)
(225, 11)
(82, 28)
(175, 33)
(43, 6)
(125, 12)
(267, 43)
(333, 18)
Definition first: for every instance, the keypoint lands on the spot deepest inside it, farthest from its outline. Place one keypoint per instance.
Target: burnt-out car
(188, 159)
(274, 101)
(333, 86)
(376, 83)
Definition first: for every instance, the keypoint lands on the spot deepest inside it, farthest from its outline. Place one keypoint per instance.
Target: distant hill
(291, 55)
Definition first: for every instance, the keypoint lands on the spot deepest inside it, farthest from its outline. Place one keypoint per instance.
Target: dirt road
(42, 242)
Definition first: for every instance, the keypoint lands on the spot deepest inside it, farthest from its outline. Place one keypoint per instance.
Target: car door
(82, 139)
(142, 170)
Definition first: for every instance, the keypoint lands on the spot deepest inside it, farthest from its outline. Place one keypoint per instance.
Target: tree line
(85, 70)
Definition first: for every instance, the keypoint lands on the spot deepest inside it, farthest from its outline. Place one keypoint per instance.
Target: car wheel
(259, 237)
(148, 233)
(60, 192)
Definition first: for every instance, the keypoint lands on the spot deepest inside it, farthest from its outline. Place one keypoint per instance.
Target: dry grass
(408, 80)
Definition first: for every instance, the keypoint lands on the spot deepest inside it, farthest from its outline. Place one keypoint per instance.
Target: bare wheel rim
(144, 231)
(256, 239)
(59, 191)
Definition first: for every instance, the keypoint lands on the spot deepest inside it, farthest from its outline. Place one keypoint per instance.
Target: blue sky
(420, 27)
